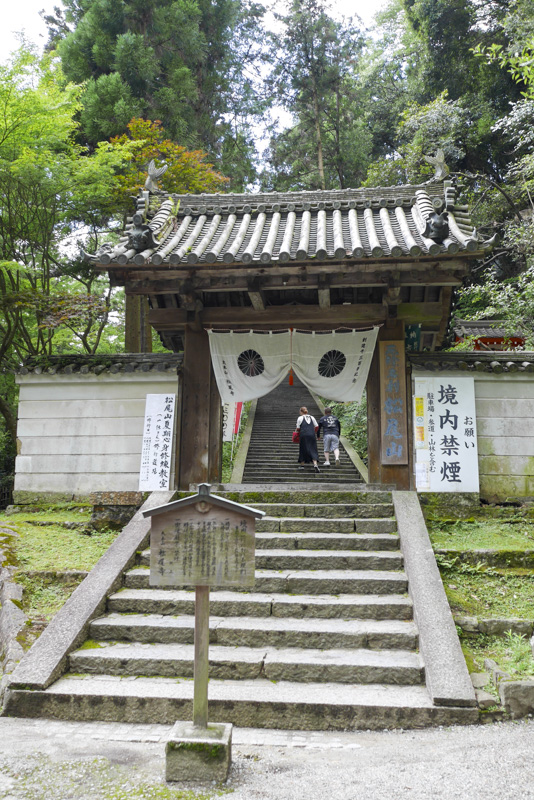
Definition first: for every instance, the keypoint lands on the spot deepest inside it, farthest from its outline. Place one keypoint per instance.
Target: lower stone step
(314, 525)
(306, 582)
(239, 663)
(255, 604)
(327, 510)
(327, 541)
(255, 704)
(259, 631)
(319, 559)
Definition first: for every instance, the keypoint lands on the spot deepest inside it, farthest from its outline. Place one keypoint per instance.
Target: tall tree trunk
(9, 418)
(320, 163)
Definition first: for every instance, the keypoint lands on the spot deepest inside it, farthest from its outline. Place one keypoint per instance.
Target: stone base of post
(198, 755)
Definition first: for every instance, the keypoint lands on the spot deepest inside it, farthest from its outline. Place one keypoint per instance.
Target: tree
(189, 63)
(187, 170)
(313, 78)
(51, 195)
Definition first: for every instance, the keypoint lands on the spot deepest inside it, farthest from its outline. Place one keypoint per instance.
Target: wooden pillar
(137, 330)
(381, 470)
(200, 414)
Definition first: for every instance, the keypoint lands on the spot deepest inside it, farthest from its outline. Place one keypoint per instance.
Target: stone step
(310, 479)
(327, 510)
(304, 476)
(260, 703)
(264, 470)
(295, 496)
(225, 603)
(327, 541)
(318, 559)
(322, 525)
(259, 631)
(247, 663)
(306, 581)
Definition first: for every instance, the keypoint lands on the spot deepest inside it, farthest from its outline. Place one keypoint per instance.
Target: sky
(24, 14)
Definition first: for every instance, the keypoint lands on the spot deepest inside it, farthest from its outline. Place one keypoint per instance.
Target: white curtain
(250, 364)
(334, 365)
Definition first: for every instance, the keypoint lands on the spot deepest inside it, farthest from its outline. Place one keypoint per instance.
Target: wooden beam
(323, 291)
(234, 316)
(169, 318)
(253, 269)
(226, 283)
(256, 295)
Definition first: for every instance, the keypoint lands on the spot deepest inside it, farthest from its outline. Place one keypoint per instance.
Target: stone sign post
(201, 541)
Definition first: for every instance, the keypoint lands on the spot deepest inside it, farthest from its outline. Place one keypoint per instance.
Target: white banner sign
(250, 364)
(445, 435)
(228, 421)
(156, 453)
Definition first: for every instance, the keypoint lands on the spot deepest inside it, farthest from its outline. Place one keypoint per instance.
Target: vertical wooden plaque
(393, 410)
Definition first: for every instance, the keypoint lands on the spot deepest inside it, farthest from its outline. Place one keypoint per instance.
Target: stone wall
(80, 427)
(504, 396)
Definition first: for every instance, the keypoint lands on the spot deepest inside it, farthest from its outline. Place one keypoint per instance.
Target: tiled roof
(99, 364)
(473, 362)
(487, 328)
(399, 222)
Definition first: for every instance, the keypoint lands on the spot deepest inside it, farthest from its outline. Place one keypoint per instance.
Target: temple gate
(311, 261)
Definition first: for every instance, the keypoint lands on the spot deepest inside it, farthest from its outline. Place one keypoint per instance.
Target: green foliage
(231, 449)
(511, 301)
(187, 171)
(511, 652)
(313, 77)
(192, 64)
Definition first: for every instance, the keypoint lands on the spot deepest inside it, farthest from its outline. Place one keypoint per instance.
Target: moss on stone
(207, 750)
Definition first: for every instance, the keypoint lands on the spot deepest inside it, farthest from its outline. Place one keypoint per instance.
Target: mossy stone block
(198, 755)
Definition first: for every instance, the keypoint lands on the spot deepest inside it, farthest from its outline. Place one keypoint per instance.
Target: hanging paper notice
(156, 453)
(445, 434)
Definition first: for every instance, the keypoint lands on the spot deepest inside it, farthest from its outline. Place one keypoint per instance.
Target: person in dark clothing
(331, 428)
(307, 424)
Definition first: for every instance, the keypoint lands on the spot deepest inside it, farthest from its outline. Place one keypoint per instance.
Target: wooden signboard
(394, 420)
(194, 547)
(202, 541)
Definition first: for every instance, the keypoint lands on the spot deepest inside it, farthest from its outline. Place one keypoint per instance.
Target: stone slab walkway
(96, 760)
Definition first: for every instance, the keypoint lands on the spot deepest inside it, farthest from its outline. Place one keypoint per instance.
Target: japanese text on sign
(393, 403)
(156, 452)
(198, 549)
(445, 435)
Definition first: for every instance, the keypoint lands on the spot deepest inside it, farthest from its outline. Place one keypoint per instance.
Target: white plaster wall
(83, 433)
(505, 431)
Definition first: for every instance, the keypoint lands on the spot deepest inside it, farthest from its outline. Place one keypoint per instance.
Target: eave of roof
(474, 361)
(102, 364)
(352, 225)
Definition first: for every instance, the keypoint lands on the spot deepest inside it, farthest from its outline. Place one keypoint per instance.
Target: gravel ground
(99, 761)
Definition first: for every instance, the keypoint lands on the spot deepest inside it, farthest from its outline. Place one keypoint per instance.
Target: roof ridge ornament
(438, 162)
(153, 174)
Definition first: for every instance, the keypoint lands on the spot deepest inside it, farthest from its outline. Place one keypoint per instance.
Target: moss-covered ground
(39, 545)
(42, 541)
(482, 590)
(511, 652)
(513, 533)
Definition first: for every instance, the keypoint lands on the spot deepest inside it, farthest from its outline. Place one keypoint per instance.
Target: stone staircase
(325, 640)
(272, 457)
